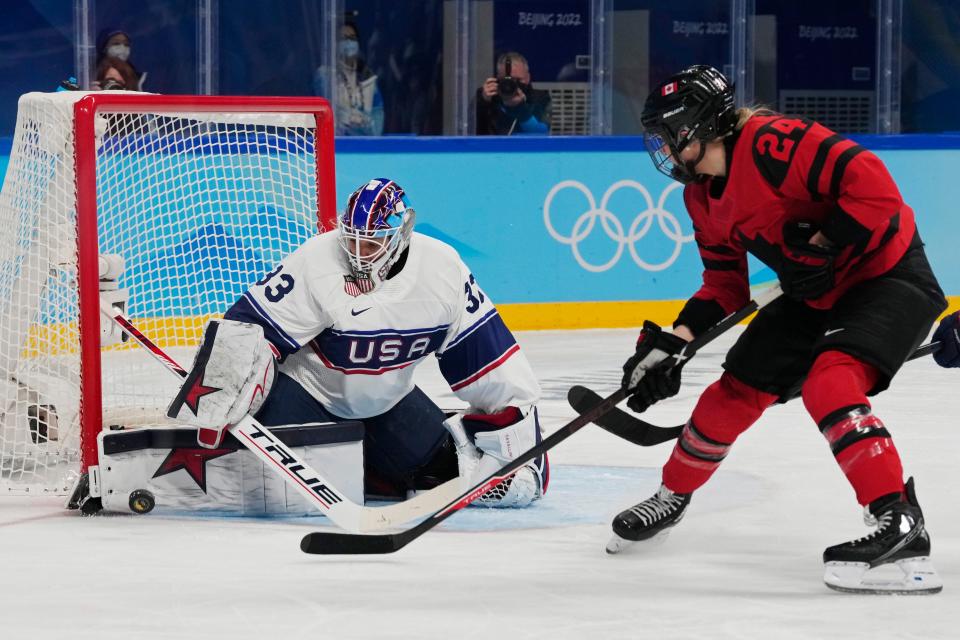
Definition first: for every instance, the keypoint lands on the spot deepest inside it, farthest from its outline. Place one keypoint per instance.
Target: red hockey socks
(835, 394)
(725, 410)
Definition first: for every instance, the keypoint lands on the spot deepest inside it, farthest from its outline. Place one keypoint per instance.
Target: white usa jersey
(355, 353)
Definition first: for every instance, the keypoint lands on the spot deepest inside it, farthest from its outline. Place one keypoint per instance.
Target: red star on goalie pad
(197, 391)
(193, 461)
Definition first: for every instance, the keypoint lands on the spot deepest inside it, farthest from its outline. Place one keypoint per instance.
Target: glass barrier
(436, 67)
(818, 59)
(652, 41)
(528, 68)
(268, 48)
(389, 68)
(36, 52)
(930, 80)
(156, 43)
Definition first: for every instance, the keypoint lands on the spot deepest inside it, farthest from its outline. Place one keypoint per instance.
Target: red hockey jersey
(782, 170)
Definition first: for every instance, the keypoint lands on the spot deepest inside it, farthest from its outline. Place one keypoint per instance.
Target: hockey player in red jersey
(824, 214)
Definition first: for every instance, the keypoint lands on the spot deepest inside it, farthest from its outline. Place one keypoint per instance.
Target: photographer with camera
(508, 105)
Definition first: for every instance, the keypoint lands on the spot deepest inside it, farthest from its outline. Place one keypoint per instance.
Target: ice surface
(744, 563)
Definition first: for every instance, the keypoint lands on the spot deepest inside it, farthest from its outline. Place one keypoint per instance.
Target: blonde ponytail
(745, 113)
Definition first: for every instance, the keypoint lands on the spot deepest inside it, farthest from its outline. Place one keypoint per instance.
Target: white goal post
(167, 206)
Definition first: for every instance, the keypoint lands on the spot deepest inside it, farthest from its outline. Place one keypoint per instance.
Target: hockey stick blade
(639, 432)
(619, 422)
(330, 543)
(333, 543)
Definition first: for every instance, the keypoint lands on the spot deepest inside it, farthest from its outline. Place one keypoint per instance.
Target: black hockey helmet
(695, 104)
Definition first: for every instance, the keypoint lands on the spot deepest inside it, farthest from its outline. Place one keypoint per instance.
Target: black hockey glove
(807, 270)
(948, 335)
(645, 383)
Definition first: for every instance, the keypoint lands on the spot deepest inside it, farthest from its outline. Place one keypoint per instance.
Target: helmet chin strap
(691, 165)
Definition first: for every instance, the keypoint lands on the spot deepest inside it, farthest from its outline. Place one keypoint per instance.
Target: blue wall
(488, 197)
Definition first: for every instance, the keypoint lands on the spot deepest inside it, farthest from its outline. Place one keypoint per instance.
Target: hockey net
(169, 207)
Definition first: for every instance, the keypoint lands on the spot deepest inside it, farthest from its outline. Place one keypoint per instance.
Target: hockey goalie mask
(695, 104)
(375, 230)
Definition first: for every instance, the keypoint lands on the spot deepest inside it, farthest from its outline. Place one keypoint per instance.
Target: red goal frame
(85, 111)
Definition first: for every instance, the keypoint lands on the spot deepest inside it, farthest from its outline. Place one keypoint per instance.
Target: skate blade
(618, 544)
(911, 576)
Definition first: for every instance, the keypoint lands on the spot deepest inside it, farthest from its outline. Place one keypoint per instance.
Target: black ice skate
(893, 559)
(653, 516)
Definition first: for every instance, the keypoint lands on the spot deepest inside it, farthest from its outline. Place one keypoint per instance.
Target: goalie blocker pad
(231, 375)
(163, 469)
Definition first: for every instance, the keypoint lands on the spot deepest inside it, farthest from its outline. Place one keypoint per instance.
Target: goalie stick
(332, 543)
(642, 433)
(317, 490)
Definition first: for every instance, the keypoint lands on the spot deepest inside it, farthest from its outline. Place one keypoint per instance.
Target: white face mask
(119, 51)
(349, 48)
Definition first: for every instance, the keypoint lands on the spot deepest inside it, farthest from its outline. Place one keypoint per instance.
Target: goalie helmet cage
(169, 207)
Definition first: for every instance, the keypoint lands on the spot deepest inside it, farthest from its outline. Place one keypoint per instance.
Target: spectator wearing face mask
(114, 44)
(358, 110)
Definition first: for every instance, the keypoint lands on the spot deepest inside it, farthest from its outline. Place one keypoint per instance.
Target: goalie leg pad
(231, 376)
(503, 435)
(493, 440)
(163, 468)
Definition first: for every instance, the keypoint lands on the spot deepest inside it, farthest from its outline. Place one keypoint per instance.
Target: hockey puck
(142, 501)
(91, 506)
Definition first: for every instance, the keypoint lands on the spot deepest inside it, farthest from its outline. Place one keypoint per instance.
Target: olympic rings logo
(612, 226)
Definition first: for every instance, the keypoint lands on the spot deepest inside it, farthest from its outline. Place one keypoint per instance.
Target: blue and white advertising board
(589, 220)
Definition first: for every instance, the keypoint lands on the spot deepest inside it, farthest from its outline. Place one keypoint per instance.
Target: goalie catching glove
(231, 376)
(488, 441)
(645, 383)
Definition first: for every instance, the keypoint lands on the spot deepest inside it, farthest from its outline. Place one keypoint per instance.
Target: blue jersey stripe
(482, 346)
(266, 316)
(472, 328)
(246, 309)
(392, 332)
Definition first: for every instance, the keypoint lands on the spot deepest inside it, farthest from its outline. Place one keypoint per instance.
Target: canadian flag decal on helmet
(669, 88)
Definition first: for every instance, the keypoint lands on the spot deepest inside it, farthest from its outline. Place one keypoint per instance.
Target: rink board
(561, 232)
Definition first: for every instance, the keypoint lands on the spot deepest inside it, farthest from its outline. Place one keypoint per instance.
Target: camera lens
(112, 85)
(507, 86)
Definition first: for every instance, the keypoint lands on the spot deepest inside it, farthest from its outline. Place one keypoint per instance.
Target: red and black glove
(806, 270)
(645, 382)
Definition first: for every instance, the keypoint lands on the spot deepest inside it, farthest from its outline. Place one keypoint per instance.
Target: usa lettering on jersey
(371, 353)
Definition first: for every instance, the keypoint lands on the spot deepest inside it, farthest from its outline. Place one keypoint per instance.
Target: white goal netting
(190, 208)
